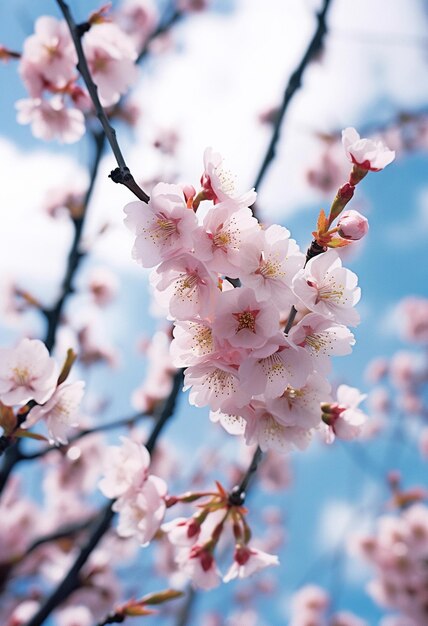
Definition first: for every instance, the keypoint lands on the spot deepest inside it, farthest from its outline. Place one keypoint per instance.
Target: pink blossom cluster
(56, 104)
(398, 552)
(310, 607)
(28, 373)
(140, 496)
(257, 379)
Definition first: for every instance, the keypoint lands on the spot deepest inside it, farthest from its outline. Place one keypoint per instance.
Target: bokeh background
(213, 82)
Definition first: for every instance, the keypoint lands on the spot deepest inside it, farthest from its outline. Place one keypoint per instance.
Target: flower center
(164, 227)
(21, 376)
(246, 320)
(269, 268)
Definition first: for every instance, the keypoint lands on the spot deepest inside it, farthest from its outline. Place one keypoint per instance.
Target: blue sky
(391, 265)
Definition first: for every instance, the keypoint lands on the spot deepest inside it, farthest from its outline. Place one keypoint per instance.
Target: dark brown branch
(102, 523)
(54, 314)
(122, 174)
(61, 533)
(314, 48)
(163, 28)
(238, 493)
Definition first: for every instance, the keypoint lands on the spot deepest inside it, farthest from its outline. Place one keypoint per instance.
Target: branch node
(237, 496)
(82, 28)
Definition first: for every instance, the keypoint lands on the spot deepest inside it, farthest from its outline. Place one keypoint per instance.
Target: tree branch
(102, 523)
(122, 173)
(120, 423)
(294, 83)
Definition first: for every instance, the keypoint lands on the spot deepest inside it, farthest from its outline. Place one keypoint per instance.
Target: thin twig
(163, 28)
(119, 423)
(122, 173)
(294, 83)
(61, 533)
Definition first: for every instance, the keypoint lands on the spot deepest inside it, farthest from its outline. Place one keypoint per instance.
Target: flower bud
(352, 225)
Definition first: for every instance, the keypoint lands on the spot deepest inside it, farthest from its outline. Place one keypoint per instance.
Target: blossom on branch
(27, 372)
(366, 153)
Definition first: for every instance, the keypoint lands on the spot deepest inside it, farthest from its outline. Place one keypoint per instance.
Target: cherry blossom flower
(199, 565)
(366, 153)
(343, 418)
(126, 468)
(232, 424)
(111, 58)
(242, 320)
(325, 287)
(182, 531)
(27, 372)
(281, 367)
(51, 119)
(48, 56)
(352, 225)
(225, 230)
(264, 429)
(215, 384)
(186, 286)
(268, 265)
(141, 512)
(300, 407)
(163, 227)
(193, 341)
(219, 184)
(322, 339)
(60, 411)
(247, 561)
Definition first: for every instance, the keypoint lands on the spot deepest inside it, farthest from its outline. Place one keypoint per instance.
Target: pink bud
(352, 225)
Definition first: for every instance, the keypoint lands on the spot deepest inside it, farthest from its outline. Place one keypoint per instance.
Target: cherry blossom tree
(249, 323)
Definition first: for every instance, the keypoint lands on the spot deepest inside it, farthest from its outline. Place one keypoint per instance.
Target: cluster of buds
(195, 539)
(32, 388)
(142, 500)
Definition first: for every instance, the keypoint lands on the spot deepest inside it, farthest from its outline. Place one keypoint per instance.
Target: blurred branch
(184, 613)
(54, 315)
(119, 423)
(314, 48)
(103, 521)
(61, 533)
(162, 29)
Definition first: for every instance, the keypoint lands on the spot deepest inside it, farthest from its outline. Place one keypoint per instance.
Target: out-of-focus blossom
(27, 372)
(111, 58)
(247, 561)
(60, 411)
(51, 119)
